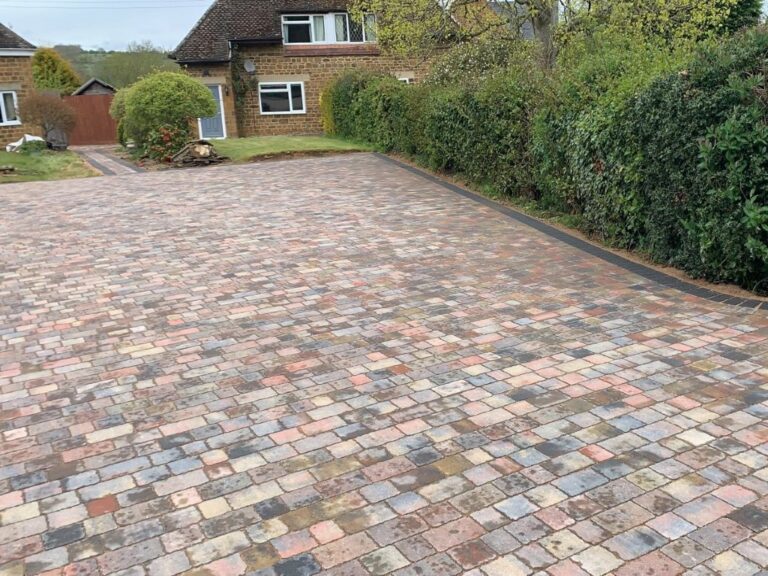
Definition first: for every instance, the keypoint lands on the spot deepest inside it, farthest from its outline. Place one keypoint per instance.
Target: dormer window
(333, 28)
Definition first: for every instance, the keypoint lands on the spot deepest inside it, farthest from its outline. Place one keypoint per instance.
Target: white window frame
(223, 116)
(309, 21)
(329, 20)
(405, 79)
(5, 122)
(287, 90)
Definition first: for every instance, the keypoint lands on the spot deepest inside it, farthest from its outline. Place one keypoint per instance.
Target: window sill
(283, 113)
(331, 50)
(10, 124)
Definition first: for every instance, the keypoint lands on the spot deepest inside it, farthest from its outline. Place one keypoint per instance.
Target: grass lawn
(244, 149)
(43, 166)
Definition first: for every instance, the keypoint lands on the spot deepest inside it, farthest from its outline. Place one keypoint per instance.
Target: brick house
(15, 83)
(267, 61)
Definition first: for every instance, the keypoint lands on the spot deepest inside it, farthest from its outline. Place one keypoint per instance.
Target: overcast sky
(108, 24)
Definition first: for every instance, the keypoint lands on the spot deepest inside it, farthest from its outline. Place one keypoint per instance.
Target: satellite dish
(249, 66)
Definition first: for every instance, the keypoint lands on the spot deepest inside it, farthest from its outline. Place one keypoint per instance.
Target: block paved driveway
(335, 366)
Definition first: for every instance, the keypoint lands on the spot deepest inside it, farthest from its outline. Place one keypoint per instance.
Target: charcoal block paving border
(628, 265)
(103, 159)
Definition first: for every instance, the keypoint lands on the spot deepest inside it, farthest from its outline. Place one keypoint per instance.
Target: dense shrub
(480, 130)
(478, 60)
(676, 168)
(596, 79)
(163, 100)
(336, 101)
(484, 131)
(656, 150)
(163, 143)
(33, 147)
(744, 14)
(117, 111)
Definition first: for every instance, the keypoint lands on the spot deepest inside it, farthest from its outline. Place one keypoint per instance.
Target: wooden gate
(94, 124)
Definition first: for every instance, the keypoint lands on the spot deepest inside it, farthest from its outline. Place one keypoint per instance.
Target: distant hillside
(117, 68)
(84, 61)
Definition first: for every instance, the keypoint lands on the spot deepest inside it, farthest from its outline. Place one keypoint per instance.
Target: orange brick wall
(16, 70)
(319, 64)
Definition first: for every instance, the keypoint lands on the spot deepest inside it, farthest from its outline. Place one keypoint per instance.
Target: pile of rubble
(198, 153)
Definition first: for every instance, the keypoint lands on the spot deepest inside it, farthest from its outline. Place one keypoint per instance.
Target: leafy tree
(745, 14)
(122, 69)
(669, 22)
(469, 63)
(418, 26)
(51, 72)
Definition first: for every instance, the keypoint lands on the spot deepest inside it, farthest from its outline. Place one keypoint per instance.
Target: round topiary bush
(170, 100)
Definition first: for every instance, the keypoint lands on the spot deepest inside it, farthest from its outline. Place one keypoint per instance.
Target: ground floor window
(9, 107)
(282, 98)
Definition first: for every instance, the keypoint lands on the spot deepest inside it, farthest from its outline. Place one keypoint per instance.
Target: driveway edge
(575, 242)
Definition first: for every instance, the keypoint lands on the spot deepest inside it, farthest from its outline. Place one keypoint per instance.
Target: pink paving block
(325, 532)
(597, 453)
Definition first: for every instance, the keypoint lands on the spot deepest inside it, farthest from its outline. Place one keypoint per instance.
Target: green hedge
(659, 153)
(481, 132)
(676, 170)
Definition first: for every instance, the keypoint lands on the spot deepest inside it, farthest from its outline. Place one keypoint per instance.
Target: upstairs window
(303, 29)
(336, 28)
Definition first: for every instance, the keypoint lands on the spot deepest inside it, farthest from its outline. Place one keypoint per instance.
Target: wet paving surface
(333, 366)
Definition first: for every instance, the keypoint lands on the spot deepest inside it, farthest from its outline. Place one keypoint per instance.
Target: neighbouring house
(15, 83)
(267, 61)
(94, 87)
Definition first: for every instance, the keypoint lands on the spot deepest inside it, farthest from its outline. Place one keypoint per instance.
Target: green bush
(337, 98)
(475, 61)
(744, 14)
(163, 143)
(33, 147)
(117, 111)
(163, 99)
(659, 151)
(481, 131)
(675, 168)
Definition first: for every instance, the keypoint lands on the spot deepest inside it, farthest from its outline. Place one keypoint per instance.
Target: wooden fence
(94, 124)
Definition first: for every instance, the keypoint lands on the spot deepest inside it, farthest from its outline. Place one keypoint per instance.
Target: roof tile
(253, 20)
(9, 40)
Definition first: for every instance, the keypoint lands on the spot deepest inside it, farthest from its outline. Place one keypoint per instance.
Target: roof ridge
(13, 38)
